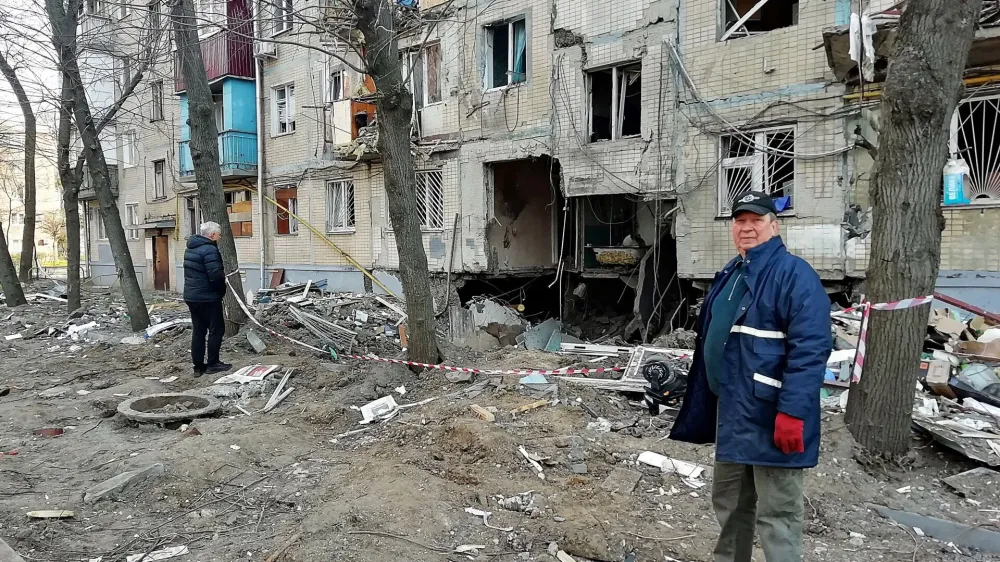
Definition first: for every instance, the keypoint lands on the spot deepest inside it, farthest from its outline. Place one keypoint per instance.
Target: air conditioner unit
(265, 49)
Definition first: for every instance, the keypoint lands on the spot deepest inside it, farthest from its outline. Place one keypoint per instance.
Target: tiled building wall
(776, 78)
(599, 36)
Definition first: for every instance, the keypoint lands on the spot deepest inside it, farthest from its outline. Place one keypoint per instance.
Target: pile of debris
(348, 323)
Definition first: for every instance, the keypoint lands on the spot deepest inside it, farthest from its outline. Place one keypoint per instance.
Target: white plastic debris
(380, 408)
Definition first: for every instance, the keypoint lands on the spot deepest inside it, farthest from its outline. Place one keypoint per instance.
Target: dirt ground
(249, 485)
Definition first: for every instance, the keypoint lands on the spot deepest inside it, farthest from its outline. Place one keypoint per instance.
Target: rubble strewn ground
(309, 479)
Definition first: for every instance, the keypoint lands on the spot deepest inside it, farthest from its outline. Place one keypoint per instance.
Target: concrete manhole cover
(168, 407)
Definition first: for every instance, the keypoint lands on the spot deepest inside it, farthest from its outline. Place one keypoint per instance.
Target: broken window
(102, 233)
(335, 86)
(340, 206)
(132, 220)
(159, 179)
(193, 212)
(239, 207)
(506, 54)
(156, 113)
(287, 198)
(744, 18)
(430, 199)
(218, 111)
(422, 69)
(975, 138)
(283, 110)
(615, 102)
(757, 161)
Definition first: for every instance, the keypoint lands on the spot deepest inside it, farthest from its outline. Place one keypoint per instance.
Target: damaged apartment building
(577, 158)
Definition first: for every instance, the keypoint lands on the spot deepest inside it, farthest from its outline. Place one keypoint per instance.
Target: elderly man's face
(215, 236)
(751, 230)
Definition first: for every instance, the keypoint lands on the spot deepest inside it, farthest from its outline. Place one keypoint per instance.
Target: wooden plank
(276, 278)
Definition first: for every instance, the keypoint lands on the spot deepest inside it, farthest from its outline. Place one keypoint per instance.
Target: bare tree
(30, 140)
(63, 20)
(205, 149)
(918, 99)
(12, 291)
(54, 224)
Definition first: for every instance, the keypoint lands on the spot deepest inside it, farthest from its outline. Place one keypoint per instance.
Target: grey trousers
(770, 499)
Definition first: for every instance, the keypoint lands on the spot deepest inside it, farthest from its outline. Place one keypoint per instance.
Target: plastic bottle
(955, 172)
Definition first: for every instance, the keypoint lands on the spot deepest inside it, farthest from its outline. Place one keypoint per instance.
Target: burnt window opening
(615, 102)
(610, 225)
(745, 18)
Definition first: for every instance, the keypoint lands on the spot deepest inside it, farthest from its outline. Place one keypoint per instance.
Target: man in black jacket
(204, 288)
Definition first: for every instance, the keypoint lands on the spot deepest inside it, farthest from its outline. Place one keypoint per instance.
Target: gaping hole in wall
(773, 14)
(615, 102)
(631, 241)
(532, 297)
(524, 231)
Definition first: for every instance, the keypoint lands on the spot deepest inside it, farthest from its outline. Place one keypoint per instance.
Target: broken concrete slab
(946, 531)
(118, 484)
(578, 468)
(979, 484)
(621, 481)
(7, 553)
(458, 377)
(168, 407)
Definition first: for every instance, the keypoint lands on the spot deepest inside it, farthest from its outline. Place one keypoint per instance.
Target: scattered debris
(50, 514)
(163, 554)
(533, 460)
(118, 484)
(948, 531)
(486, 519)
(48, 432)
(256, 343)
(380, 409)
(483, 413)
(250, 373)
(622, 481)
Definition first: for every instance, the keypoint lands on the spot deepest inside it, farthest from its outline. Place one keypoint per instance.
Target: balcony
(227, 53)
(237, 155)
(87, 191)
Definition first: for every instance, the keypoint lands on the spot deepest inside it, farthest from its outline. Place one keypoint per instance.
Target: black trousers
(206, 318)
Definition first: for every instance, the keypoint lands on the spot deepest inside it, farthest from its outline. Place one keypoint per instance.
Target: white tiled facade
(778, 78)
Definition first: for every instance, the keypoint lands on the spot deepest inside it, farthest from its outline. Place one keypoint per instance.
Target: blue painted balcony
(237, 155)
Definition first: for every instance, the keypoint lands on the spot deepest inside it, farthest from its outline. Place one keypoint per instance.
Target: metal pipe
(258, 72)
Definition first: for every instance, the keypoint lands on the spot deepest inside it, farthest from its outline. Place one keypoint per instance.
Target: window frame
(617, 73)
(132, 221)
(350, 224)
(130, 149)
(156, 92)
(293, 209)
(153, 9)
(289, 92)
(424, 193)
(757, 164)
(159, 180)
(102, 232)
(246, 197)
(124, 9)
(332, 94)
(282, 17)
(953, 152)
(192, 211)
(213, 19)
(489, 31)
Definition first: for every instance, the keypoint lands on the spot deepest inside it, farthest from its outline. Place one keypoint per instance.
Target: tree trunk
(64, 40)
(918, 99)
(205, 152)
(393, 103)
(8, 276)
(28, 239)
(70, 180)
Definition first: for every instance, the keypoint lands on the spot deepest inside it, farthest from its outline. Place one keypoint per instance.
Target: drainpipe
(258, 68)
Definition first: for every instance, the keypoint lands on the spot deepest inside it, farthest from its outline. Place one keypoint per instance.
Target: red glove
(788, 434)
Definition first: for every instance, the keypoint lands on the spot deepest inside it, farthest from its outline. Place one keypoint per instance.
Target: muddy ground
(399, 490)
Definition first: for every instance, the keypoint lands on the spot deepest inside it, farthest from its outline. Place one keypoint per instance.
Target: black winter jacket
(204, 275)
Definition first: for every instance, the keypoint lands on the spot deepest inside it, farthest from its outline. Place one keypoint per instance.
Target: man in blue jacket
(763, 342)
(204, 288)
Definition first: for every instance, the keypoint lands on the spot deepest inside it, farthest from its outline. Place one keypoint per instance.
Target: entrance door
(161, 263)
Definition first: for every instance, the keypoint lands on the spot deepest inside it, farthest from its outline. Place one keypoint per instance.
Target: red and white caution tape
(866, 308)
(427, 365)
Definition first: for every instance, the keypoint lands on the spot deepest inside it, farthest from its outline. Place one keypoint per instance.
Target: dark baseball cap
(754, 202)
